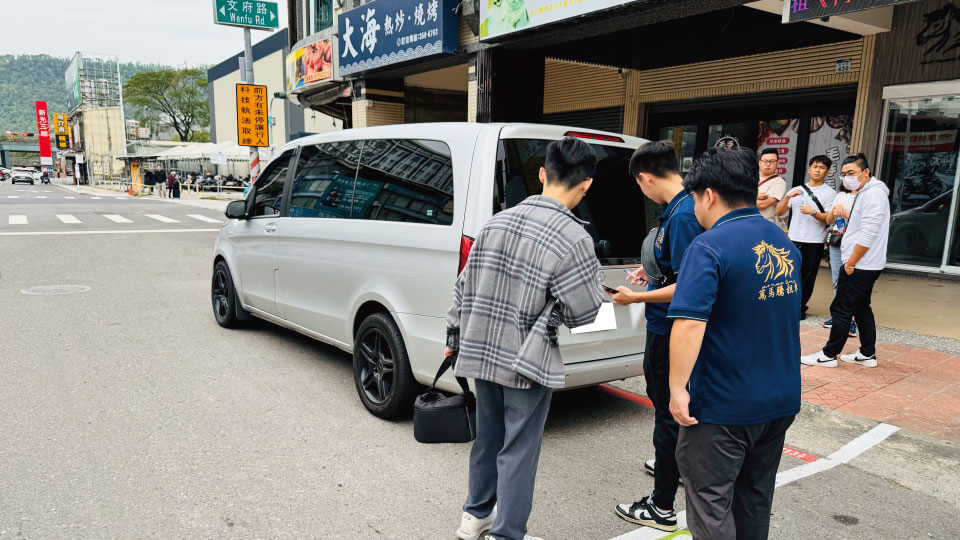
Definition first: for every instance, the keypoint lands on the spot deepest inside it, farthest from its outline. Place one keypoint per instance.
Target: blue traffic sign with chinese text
(386, 32)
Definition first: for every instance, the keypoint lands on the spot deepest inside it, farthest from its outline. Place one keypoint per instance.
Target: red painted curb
(787, 451)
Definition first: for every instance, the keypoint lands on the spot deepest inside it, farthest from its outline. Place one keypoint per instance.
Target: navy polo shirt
(743, 278)
(679, 227)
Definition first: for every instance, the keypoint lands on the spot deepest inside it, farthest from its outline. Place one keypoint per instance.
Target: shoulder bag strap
(850, 213)
(767, 179)
(448, 363)
(814, 197)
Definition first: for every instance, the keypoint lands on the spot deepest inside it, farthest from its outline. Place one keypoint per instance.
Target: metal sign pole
(248, 78)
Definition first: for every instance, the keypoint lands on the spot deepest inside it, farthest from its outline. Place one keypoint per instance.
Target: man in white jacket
(863, 251)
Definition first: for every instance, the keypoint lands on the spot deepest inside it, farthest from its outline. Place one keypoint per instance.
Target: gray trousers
(503, 461)
(730, 473)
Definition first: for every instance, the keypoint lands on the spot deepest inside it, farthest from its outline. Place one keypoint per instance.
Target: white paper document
(606, 320)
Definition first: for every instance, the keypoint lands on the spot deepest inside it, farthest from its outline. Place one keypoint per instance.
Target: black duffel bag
(439, 418)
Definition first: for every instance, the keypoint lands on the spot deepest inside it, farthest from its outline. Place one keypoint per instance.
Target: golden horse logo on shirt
(775, 262)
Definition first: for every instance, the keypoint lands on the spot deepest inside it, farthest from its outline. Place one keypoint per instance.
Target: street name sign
(252, 115)
(258, 14)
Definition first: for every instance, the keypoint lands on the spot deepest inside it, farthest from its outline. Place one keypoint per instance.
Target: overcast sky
(170, 32)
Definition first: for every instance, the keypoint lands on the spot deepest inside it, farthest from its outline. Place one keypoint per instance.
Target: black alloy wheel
(224, 297)
(381, 370)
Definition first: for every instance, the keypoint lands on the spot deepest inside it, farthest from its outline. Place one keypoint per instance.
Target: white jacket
(869, 226)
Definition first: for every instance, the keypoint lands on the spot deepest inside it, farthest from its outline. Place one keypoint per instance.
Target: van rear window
(614, 207)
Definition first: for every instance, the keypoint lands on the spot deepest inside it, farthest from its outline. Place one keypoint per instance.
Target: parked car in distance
(23, 176)
(356, 238)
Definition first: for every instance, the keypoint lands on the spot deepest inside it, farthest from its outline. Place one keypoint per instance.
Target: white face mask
(851, 182)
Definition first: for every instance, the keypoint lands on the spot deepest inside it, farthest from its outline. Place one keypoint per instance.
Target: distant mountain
(31, 77)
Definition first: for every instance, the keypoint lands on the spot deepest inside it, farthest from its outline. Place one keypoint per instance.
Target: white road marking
(123, 231)
(117, 219)
(68, 218)
(45, 191)
(162, 219)
(41, 196)
(69, 197)
(852, 449)
(17, 220)
(96, 197)
(206, 219)
(121, 198)
(13, 196)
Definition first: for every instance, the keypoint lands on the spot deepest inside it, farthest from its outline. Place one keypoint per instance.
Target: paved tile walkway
(912, 388)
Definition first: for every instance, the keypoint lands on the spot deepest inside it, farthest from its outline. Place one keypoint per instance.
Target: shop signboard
(252, 115)
(257, 14)
(804, 10)
(499, 18)
(43, 133)
(922, 142)
(62, 130)
(386, 32)
(310, 64)
(72, 80)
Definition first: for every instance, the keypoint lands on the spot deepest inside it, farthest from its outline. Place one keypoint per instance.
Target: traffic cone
(130, 191)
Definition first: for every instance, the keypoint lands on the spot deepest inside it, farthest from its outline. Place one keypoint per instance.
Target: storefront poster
(782, 136)
(386, 32)
(830, 136)
(501, 17)
(310, 64)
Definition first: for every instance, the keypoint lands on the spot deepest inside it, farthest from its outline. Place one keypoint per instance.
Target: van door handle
(270, 228)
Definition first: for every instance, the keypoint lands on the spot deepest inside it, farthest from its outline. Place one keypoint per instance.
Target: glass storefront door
(728, 135)
(919, 162)
(684, 138)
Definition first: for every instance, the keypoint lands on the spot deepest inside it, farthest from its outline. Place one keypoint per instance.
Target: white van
(356, 237)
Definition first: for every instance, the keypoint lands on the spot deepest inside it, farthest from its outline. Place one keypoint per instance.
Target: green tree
(178, 98)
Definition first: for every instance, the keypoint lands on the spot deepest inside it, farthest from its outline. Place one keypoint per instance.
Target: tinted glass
(268, 188)
(324, 183)
(613, 208)
(405, 180)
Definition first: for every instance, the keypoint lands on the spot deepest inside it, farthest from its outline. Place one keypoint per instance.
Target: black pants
(730, 473)
(852, 301)
(810, 256)
(656, 371)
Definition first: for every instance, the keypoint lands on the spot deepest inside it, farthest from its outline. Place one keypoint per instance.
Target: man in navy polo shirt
(655, 168)
(733, 395)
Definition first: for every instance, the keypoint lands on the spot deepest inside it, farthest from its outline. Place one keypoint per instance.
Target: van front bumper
(601, 371)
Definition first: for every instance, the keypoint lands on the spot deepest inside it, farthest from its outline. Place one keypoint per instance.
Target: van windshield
(614, 207)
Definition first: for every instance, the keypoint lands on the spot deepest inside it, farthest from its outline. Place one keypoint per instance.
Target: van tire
(226, 308)
(381, 368)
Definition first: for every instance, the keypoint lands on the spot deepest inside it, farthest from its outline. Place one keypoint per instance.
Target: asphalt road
(127, 412)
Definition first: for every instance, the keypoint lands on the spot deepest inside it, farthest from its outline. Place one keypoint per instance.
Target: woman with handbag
(837, 219)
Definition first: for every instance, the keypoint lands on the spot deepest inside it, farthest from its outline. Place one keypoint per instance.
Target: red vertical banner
(43, 133)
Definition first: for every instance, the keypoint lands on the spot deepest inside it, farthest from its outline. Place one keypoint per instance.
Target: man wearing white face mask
(864, 254)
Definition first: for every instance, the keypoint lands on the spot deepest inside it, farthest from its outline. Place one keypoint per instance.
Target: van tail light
(593, 136)
(466, 244)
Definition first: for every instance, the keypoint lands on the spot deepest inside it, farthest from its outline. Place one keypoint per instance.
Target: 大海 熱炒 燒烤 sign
(386, 32)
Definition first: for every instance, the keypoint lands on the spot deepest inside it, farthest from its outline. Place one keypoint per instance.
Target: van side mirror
(236, 210)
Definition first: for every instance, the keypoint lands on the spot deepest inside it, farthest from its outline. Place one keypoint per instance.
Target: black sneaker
(644, 512)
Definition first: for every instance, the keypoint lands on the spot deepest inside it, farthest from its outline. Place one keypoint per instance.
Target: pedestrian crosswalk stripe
(121, 198)
(41, 196)
(17, 220)
(13, 196)
(206, 219)
(67, 218)
(96, 197)
(163, 219)
(115, 218)
(69, 197)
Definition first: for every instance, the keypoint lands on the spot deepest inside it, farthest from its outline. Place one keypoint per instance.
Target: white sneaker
(860, 359)
(471, 527)
(818, 359)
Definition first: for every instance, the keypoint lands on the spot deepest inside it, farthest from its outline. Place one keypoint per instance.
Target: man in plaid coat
(532, 269)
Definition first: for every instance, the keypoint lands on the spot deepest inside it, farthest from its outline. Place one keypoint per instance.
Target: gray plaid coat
(531, 269)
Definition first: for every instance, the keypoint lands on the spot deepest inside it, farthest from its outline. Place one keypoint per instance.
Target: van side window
(268, 188)
(613, 208)
(405, 180)
(325, 177)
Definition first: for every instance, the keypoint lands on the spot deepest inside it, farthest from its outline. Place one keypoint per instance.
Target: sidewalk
(206, 200)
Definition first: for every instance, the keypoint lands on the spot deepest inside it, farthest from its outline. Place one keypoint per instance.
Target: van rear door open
(615, 210)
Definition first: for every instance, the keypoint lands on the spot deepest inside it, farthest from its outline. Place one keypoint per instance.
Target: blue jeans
(835, 265)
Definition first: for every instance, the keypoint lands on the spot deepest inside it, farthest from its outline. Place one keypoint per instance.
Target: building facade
(797, 76)
(289, 120)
